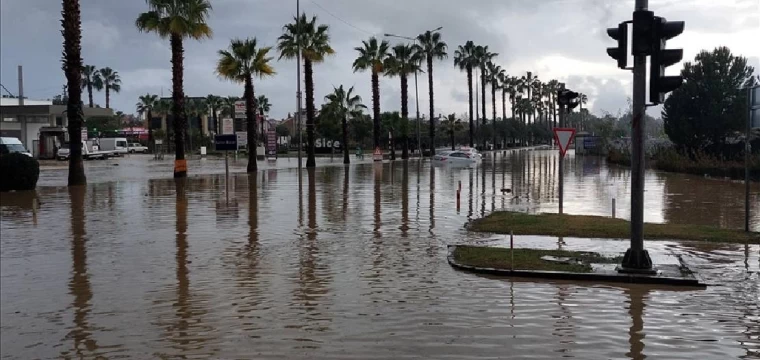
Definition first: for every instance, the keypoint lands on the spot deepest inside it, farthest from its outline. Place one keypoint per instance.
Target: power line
(339, 19)
(6, 90)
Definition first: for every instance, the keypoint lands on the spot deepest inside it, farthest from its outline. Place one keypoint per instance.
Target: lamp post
(416, 90)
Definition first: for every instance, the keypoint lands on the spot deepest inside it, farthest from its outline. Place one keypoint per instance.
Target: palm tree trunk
(89, 90)
(72, 67)
(483, 103)
(432, 108)
(504, 115)
(404, 116)
(469, 91)
(108, 96)
(346, 159)
(178, 106)
(493, 112)
(393, 145)
(453, 145)
(512, 102)
(216, 123)
(376, 108)
(150, 130)
(250, 119)
(309, 84)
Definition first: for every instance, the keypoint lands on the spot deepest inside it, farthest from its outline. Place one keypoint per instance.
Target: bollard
(512, 250)
(458, 192)
(613, 208)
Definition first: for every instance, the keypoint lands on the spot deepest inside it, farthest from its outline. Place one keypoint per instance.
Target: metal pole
(298, 75)
(22, 118)
(636, 258)
(561, 171)
(417, 100)
(747, 153)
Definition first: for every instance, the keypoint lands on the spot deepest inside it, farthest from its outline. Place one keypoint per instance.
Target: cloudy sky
(562, 39)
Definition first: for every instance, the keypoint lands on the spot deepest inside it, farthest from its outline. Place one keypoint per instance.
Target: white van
(117, 146)
(12, 145)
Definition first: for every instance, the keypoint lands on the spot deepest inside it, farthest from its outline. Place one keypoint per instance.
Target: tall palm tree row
(314, 41)
(465, 59)
(107, 78)
(89, 73)
(483, 56)
(263, 106)
(372, 54)
(177, 20)
(344, 104)
(401, 62)
(451, 126)
(431, 46)
(145, 105)
(71, 23)
(240, 63)
(493, 72)
(214, 103)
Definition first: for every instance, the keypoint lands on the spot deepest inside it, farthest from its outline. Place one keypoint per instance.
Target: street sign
(242, 138)
(84, 134)
(225, 142)
(240, 109)
(228, 126)
(159, 142)
(377, 155)
(271, 142)
(563, 137)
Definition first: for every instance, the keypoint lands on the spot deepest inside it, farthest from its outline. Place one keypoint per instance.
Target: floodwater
(351, 264)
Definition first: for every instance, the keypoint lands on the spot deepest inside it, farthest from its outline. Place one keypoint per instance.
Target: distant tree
(710, 107)
(107, 78)
(431, 46)
(343, 104)
(452, 126)
(89, 74)
(214, 103)
(372, 54)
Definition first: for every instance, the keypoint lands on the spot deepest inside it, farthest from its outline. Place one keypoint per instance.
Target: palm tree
(504, 86)
(483, 56)
(314, 42)
(109, 79)
(392, 122)
(177, 20)
(553, 88)
(451, 126)
(527, 82)
(214, 103)
(262, 106)
(431, 46)
(344, 104)
(371, 56)
(582, 100)
(72, 68)
(464, 59)
(145, 105)
(228, 106)
(493, 73)
(241, 63)
(89, 73)
(401, 62)
(513, 84)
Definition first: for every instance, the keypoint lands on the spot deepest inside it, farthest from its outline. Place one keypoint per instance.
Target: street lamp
(416, 89)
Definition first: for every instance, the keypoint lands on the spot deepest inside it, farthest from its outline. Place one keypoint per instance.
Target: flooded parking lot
(349, 262)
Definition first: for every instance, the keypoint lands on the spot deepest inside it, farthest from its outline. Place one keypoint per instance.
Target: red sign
(563, 137)
(271, 143)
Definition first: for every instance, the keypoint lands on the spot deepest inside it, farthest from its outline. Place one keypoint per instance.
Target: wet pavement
(352, 264)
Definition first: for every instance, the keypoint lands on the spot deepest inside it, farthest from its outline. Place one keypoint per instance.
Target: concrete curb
(611, 277)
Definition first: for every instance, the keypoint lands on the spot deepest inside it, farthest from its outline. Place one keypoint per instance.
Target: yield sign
(563, 137)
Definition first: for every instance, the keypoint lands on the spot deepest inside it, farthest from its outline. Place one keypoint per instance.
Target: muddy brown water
(351, 264)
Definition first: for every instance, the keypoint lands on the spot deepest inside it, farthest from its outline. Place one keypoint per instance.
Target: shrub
(20, 172)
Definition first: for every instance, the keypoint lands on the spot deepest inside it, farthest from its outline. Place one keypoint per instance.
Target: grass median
(502, 222)
(528, 259)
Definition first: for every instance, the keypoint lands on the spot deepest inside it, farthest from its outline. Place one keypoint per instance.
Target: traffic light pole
(637, 259)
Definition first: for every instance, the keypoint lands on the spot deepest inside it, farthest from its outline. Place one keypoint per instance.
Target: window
(121, 143)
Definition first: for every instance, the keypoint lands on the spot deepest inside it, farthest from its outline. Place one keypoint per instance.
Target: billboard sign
(228, 127)
(240, 109)
(271, 142)
(242, 138)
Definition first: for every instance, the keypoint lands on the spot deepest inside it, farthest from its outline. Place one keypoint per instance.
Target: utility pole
(22, 118)
(561, 190)
(298, 91)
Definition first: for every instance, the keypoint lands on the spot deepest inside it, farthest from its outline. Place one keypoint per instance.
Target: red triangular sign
(563, 137)
(378, 155)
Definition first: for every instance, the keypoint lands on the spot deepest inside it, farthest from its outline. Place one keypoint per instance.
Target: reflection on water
(351, 264)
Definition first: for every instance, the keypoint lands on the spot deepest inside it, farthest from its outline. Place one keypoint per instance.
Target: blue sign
(590, 142)
(226, 142)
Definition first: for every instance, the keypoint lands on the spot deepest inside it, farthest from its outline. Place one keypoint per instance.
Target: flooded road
(351, 264)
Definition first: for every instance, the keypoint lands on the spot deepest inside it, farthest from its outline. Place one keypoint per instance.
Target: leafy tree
(372, 54)
(177, 20)
(241, 63)
(72, 68)
(282, 130)
(402, 62)
(465, 59)
(314, 41)
(360, 128)
(392, 123)
(431, 46)
(343, 104)
(702, 114)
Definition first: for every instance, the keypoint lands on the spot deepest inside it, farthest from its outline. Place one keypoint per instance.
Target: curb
(559, 275)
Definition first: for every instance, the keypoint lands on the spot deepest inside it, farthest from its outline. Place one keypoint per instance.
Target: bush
(619, 157)
(20, 172)
(704, 164)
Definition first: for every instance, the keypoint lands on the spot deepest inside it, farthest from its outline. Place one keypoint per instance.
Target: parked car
(89, 151)
(117, 146)
(12, 145)
(471, 151)
(456, 157)
(137, 148)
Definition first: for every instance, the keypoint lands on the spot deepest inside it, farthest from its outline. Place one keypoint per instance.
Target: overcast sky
(562, 39)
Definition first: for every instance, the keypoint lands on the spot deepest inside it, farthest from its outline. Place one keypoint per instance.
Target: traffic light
(659, 84)
(619, 53)
(568, 98)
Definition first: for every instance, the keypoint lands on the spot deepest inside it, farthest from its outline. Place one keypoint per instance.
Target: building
(40, 125)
